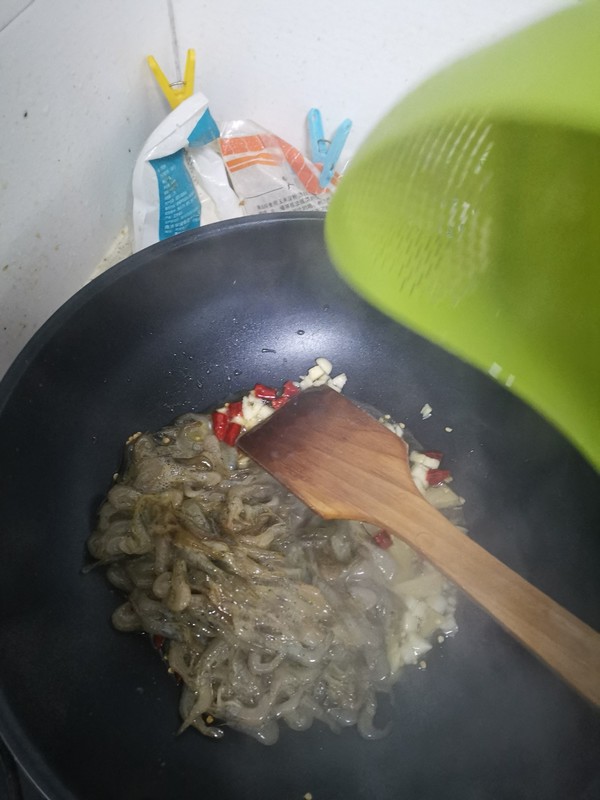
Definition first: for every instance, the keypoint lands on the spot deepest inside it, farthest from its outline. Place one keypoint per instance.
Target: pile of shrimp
(266, 612)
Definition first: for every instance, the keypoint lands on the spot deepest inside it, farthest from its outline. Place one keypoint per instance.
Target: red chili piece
(265, 392)
(434, 454)
(289, 389)
(436, 476)
(232, 433)
(158, 641)
(383, 539)
(220, 423)
(234, 409)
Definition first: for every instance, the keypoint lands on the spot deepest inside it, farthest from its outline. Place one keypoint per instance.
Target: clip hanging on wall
(179, 91)
(324, 151)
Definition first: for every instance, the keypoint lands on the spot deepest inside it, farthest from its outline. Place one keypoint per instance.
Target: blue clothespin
(322, 150)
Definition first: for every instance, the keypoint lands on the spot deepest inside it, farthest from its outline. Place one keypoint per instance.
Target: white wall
(77, 102)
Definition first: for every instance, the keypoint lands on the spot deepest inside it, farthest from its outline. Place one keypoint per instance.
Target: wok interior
(92, 713)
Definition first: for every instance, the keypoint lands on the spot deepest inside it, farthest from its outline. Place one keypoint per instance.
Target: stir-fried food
(265, 611)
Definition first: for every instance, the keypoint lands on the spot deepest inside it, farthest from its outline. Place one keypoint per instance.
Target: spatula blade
(337, 458)
(345, 464)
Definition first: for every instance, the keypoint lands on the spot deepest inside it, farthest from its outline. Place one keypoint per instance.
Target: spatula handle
(566, 644)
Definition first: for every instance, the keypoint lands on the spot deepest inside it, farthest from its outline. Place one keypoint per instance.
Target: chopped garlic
(394, 427)
(325, 365)
(420, 458)
(338, 382)
(318, 375)
(264, 412)
(419, 476)
(251, 405)
(314, 373)
(443, 497)
(321, 381)
(426, 411)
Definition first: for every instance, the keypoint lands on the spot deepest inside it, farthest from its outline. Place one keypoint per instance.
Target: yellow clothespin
(177, 92)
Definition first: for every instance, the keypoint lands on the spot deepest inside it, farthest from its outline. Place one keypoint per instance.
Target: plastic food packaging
(268, 174)
(180, 180)
(191, 173)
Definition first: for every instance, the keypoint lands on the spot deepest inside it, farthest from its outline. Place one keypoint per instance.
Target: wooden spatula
(345, 465)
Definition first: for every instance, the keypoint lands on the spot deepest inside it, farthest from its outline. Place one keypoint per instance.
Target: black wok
(92, 714)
